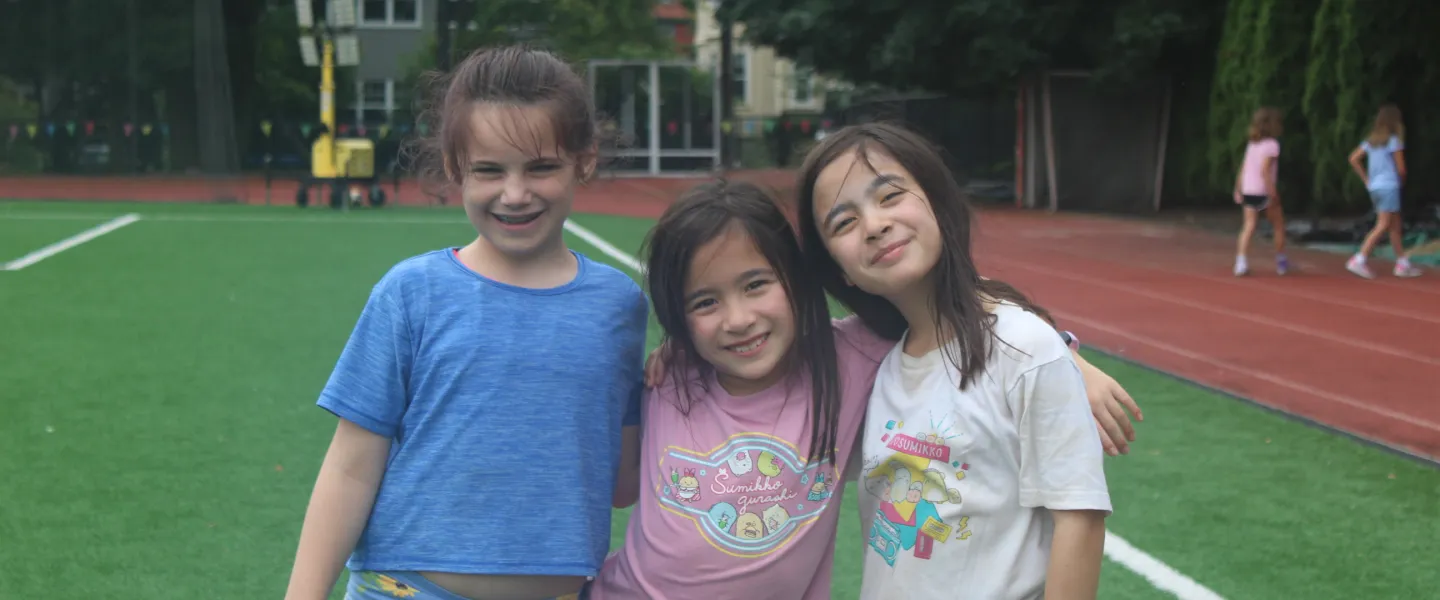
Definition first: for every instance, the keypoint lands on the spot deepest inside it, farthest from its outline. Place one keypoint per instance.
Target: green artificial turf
(160, 436)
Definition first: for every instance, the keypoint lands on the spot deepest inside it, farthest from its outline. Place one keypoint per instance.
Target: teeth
(517, 219)
(750, 346)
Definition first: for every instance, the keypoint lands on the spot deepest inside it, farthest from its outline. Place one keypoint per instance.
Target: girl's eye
(702, 304)
(757, 284)
(544, 168)
(893, 195)
(486, 171)
(842, 224)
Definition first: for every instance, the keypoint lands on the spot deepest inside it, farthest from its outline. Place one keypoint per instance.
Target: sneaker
(1357, 265)
(1282, 265)
(1241, 268)
(1403, 268)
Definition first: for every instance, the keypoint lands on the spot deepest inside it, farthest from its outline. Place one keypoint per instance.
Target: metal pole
(1050, 144)
(654, 118)
(442, 34)
(688, 91)
(716, 145)
(134, 58)
(727, 89)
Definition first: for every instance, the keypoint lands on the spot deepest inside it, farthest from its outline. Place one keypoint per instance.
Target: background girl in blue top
(485, 390)
(1384, 176)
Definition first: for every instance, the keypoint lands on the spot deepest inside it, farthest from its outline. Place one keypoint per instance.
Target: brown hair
(517, 76)
(703, 214)
(1387, 123)
(1267, 122)
(959, 311)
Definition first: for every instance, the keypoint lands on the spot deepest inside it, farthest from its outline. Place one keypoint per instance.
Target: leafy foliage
(959, 46)
(1262, 59)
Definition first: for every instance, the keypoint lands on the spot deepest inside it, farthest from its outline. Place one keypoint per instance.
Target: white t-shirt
(954, 484)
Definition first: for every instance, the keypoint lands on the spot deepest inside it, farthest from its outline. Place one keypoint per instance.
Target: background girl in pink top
(1255, 189)
(736, 497)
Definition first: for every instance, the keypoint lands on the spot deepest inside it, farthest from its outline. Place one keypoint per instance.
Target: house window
(390, 12)
(376, 101)
(802, 89)
(740, 75)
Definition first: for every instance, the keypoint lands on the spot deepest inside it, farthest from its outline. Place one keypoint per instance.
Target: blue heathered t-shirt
(1380, 166)
(504, 406)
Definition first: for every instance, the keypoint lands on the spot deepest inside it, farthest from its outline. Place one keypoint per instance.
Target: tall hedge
(1363, 54)
(1329, 65)
(1262, 61)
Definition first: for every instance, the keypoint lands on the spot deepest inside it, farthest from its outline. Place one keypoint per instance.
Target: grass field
(160, 435)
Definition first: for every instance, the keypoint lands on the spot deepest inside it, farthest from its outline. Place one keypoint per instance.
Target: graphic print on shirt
(909, 481)
(747, 496)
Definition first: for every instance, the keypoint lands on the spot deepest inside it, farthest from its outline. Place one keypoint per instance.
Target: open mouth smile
(751, 346)
(517, 220)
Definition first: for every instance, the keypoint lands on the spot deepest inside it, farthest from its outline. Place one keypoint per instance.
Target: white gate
(660, 116)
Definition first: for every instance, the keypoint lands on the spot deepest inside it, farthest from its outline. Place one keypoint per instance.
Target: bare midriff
(507, 587)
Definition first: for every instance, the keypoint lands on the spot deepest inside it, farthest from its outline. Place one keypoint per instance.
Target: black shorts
(1255, 202)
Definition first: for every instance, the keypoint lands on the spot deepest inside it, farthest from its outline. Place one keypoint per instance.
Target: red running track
(635, 197)
(1359, 356)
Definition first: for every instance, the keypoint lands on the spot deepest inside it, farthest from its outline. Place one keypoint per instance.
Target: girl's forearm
(339, 508)
(1075, 555)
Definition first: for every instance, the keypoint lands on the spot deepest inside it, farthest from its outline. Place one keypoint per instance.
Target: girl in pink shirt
(743, 443)
(1255, 189)
(749, 433)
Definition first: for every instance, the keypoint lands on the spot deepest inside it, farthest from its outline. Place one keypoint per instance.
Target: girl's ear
(588, 164)
(847, 280)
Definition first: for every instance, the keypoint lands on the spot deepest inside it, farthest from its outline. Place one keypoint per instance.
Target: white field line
(609, 249)
(70, 242)
(1159, 574)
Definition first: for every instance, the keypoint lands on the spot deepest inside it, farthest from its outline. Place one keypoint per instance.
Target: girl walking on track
(1384, 176)
(1255, 189)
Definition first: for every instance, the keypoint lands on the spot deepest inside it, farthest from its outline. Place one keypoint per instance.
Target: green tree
(1263, 54)
(960, 46)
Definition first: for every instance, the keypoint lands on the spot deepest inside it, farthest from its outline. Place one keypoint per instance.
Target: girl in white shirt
(983, 472)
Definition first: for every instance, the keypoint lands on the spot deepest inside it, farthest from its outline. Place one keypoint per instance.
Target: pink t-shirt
(1252, 172)
(728, 505)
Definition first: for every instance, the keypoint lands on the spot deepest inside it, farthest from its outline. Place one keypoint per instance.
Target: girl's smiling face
(877, 223)
(738, 313)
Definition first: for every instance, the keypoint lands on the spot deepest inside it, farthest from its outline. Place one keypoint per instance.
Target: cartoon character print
(909, 486)
(749, 495)
(740, 463)
(775, 517)
(687, 486)
(821, 489)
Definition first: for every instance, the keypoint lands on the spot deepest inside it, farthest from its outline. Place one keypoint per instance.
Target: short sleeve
(369, 384)
(1270, 148)
(851, 335)
(633, 402)
(1061, 459)
(1395, 144)
(640, 322)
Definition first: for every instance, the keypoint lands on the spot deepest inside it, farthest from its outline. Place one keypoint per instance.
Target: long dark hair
(960, 293)
(704, 213)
